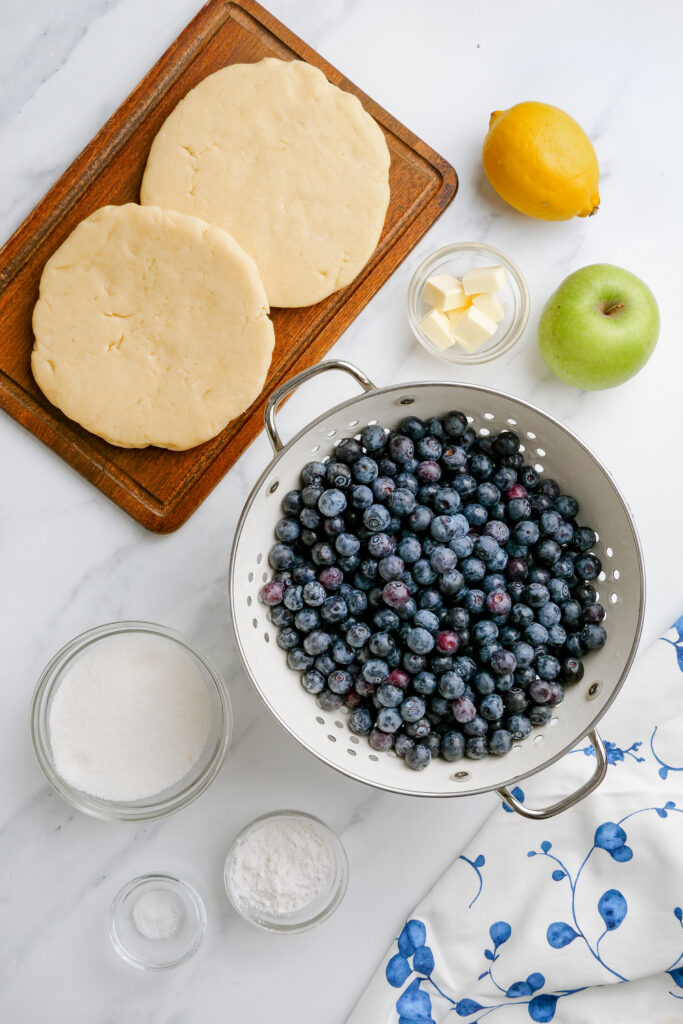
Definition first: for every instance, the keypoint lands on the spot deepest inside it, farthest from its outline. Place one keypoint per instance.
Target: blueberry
(281, 556)
(425, 683)
(357, 602)
(429, 448)
(587, 567)
(391, 567)
(414, 663)
(593, 637)
(306, 620)
(379, 740)
(500, 742)
(407, 610)
(518, 509)
(386, 619)
(401, 448)
(536, 595)
(567, 507)
(313, 681)
(376, 518)
(476, 747)
(499, 603)
(395, 594)
(571, 612)
(294, 598)
(314, 594)
(549, 522)
(558, 590)
(491, 707)
(420, 518)
(451, 582)
(375, 671)
(420, 640)
(547, 551)
(402, 501)
(584, 539)
(426, 619)
(287, 530)
(423, 572)
(525, 675)
(475, 514)
(518, 726)
(338, 476)
(360, 721)
(571, 671)
(524, 653)
(585, 594)
(475, 601)
(473, 570)
(521, 615)
(515, 700)
(575, 646)
(504, 478)
(536, 634)
(463, 709)
(292, 503)
(451, 686)
(317, 641)
(271, 593)
(313, 472)
(564, 568)
(454, 457)
(329, 701)
(418, 757)
(357, 635)
(557, 636)
(373, 437)
(365, 470)
(462, 547)
(549, 614)
(399, 678)
(593, 614)
(564, 533)
(403, 744)
(309, 514)
(339, 681)
(361, 497)
(540, 714)
(440, 663)
(503, 662)
(382, 644)
(281, 616)
(428, 472)
(418, 730)
(457, 618)
(413, 427)
(484, 631)
(298, 659)
(484, 683)
(412, 709)
(478, 726)
(526, 532)
(465, 485)
(498, 530)
(332, 502)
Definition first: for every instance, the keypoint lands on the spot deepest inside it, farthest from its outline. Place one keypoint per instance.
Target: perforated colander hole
(603, 576)
(538, 467)
(616, 574)
(340, 725)
(259, 558)
(530, 434)
(613, 598)
(266, 637)
(470, 419)
(522, 448)
(264, 576)
(371, 423)
(391, 753)
(254, 623)
(461, 776)
(597, 535)
(609, 552)
(250, 577)
(353, 423)
(406, 401)
(540, 452)
(315, 448)
(489, 416)
(593, 691)
(273, 487)
(319, 720)
(331, 433)
(513, 423)
(351, 752)
(354, 739)
(597, 595)
(373, 757)
(249, 602)
(538, 738)
(331, 738)
(517, 747)
(554, 721)
(484, 431)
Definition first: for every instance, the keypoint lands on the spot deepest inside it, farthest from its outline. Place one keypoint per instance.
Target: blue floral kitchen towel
(577, 919)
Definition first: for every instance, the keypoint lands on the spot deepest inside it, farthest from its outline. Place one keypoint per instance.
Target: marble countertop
(70, 560)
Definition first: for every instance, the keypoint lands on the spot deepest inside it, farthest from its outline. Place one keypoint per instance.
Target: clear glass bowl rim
(130, 887)
(109, 810)
(514, 331)
(342, 876)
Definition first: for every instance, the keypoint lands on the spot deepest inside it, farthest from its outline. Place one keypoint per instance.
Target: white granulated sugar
(281, 866)
(130, 717)
(158, 914)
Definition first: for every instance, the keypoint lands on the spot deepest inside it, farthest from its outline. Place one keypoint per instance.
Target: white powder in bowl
(130, 717)
(281, 866)
(158, 914)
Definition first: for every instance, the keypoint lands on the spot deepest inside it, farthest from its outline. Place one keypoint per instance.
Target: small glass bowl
(457, 260)
(157, 954)
(312, 914)
(201, 774)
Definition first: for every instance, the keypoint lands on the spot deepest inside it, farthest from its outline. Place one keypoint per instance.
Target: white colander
(554, 451)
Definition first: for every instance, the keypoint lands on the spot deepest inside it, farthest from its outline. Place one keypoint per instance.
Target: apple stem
(613, 307)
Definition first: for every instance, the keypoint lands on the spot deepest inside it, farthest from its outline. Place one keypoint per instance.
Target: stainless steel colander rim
(484, 391)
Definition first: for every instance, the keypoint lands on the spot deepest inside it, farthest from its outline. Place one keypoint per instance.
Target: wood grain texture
(157, 487)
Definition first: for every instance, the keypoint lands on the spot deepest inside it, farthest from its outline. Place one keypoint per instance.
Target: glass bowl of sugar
(286, 872)
(130, 721)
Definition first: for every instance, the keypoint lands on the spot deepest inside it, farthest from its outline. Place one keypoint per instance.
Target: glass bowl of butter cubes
(468, 303)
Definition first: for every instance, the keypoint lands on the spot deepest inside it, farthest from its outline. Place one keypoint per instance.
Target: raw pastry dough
(293, 167)
(151, 328)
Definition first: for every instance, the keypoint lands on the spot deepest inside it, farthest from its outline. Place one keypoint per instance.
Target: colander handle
(278, 396)
(567, 801)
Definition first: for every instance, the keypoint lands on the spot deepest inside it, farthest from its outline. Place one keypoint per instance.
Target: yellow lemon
(541, 161)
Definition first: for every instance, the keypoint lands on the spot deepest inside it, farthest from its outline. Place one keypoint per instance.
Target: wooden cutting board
(157, 487)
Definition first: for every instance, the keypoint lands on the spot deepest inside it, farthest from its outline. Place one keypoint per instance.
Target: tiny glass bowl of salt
(130, 721)
(286, 872)
(157, 922)
(499, 316)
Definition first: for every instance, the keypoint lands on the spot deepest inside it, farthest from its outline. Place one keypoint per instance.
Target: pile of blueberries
(436, 585)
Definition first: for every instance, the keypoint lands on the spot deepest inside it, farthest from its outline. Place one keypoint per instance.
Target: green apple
(599, 328)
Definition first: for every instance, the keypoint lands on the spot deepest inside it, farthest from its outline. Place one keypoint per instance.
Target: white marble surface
(71, 560)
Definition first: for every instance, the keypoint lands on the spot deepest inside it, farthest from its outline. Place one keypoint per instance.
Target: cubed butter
(455, 314)
(490, 305)
(436, 326)
(445, 292)
(484, 279)
(473, 328)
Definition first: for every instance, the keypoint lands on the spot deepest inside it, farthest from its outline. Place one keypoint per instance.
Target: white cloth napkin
(576, 919)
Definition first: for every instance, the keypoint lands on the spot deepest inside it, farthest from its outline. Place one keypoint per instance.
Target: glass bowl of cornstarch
(130, 721)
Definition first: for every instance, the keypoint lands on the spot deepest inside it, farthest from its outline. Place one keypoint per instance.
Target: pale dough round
(293, 167)
(151, 328)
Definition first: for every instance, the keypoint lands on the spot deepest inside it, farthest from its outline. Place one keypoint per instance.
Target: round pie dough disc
(293, 167)
(151, 328)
